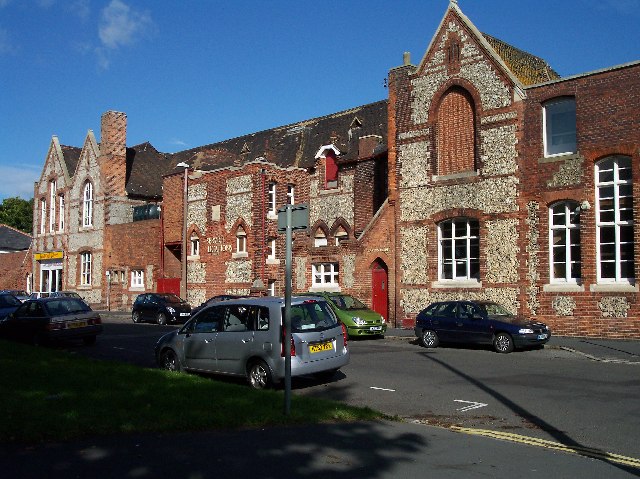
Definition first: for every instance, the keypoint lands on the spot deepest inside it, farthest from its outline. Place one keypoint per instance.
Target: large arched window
(564, 242)
(614, 219)
(456, 133)
(87, 204)
(458, 249)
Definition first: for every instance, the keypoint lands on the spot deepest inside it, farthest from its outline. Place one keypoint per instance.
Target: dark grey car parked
(161, 308)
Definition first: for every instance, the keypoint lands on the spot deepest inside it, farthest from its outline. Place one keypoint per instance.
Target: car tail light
(344, 334)
(293, 345)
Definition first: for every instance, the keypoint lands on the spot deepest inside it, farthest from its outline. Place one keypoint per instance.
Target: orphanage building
(483, 175)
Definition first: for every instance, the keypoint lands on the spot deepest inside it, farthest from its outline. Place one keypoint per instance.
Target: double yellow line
(532, 441)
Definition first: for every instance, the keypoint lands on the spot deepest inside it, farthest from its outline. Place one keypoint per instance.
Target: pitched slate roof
(145, 167)
(12, 239)
(528, 68)
(293, 145)
(71, 157)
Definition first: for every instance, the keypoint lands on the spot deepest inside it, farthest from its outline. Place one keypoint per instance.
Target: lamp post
(183, 255)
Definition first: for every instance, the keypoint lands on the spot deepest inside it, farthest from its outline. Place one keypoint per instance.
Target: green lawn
(55, 395)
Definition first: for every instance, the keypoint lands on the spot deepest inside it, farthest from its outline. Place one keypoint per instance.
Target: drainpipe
(264, 233)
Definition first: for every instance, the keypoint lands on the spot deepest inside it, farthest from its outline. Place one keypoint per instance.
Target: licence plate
(76, 324)
(185, 314)
(542, 336)
(319, 347)
(375, 328)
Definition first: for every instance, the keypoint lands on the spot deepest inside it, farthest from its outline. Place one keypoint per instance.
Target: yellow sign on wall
(50, 255)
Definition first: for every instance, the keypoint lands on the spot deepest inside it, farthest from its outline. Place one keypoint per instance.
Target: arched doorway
(380, 288)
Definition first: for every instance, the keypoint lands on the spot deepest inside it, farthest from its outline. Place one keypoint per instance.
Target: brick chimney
(113, 152)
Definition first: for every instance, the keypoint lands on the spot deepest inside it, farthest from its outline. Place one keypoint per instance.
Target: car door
(472, 326)
(234, 343)
(199, 340)
(443, 321)
(143, 307)
(25, 322)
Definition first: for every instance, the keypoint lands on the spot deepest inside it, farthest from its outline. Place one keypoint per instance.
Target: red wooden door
(379, 289)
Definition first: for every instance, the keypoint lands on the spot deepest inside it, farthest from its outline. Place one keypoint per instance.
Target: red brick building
(483, 175)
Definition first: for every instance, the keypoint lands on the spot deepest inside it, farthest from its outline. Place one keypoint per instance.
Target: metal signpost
(290, 217)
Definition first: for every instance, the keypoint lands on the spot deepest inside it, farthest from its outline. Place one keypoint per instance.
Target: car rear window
(171, 298)
(6, 301)
(59, 307)
(311, 316)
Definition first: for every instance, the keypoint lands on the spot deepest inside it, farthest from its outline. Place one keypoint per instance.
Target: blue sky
(192, 72)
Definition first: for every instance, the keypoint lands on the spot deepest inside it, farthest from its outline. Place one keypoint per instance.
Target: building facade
(483, 175)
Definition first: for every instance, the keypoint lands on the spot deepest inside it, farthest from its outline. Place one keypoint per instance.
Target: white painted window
(137, 278)
(559, 117)
(325, 274)
(458, 249)
(87, 205)
(85, 269)
(195, 246)
(60, 212)
(271, 249)
(564, 242)
(271, 288)
(52, 206)
(272, 198)
(291, 194)
(614, 220)
(241, 240)
(320, 238)
(43, 216)
(340, 235)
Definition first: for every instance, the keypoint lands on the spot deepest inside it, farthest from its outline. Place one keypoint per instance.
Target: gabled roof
(71, 157)
(528, 68)
(145, 167)
(12, 239)
(293, 145)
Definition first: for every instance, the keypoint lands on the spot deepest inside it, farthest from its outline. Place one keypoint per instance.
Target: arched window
(340, 235)
(564, 242)
(241, 240)
(330, 170)
(85, 269)
(614, 219)
(87, 205)
(456, 133)
(320, 238)
(52, 205)
(195, 245)
(458, 249)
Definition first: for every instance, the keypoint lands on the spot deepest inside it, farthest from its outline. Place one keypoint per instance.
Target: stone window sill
(455, 176)
(559, 157)
(332, 288)
(273, 261)
(272, 216)
(613, 288)
(562, 288)
(239, 255)
(471, 284)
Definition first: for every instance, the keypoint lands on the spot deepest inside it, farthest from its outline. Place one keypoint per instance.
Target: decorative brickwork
(571, 172)
(563, 305)
(614, 307)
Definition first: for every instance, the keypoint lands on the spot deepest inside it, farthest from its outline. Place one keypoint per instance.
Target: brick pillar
(113, 152)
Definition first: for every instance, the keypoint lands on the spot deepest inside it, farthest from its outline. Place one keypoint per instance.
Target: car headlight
(359, 321)
(171, 310)
(525, 331)
(383, 320)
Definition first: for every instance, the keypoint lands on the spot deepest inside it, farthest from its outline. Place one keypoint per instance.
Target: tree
(17, 213)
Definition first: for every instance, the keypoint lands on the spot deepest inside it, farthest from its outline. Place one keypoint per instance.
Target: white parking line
(382, 389)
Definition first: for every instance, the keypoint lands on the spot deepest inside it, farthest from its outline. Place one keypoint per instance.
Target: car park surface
(161, 308)
(478, 322)
(39, 321)
(354, 314)
(244, 337)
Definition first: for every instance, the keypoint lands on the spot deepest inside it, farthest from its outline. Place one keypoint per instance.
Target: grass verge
(55, 395)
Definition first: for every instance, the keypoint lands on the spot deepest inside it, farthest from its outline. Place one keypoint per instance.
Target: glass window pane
(558, 237)
(447, 270)
(461, 269)
(607, 234)
(605, 176)
(626, 234)
(607, 216)
(560, 254)
(627, 270)
(608, 269)
(608, 252)
(474, 269)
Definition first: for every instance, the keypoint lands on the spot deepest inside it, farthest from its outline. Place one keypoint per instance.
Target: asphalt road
(549, 394)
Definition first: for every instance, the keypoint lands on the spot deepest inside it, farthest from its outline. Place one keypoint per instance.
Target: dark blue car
(8, 304)
(478, 322)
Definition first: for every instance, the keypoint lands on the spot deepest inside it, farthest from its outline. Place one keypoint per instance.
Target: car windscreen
(170, 298)
(346, 302)
(311, 316)
(62, 306)
(494, 309)
(7, 301)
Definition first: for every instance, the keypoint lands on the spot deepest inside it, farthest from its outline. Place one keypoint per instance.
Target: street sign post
(290, 217)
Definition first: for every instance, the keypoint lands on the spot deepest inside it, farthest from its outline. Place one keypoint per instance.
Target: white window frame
(52, 206)
(241, 240)
(320, 238)
(195, 246)
(271, 287)
(272, 249)
(87, 205)
(552, 110)
(61, 212)
(621, 182)
(568, 211)
(325, 275)
(465, 258)
(43, 216)
(291, 194)
(85, 269)
(271, 199)
(340, 236)
(137, 278)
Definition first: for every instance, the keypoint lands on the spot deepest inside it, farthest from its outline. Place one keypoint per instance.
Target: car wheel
(162, 318)
(89, 340)
(429, 339)
(503, 343)
(169, 361)
(135, 316)
(259, 375)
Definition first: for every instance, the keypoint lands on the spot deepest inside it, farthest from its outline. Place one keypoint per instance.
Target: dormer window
(330, 154)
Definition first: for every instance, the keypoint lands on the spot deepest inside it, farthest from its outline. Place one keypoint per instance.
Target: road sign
(299, 217)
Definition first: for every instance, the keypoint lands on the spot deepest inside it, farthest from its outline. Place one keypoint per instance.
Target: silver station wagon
(244, 337)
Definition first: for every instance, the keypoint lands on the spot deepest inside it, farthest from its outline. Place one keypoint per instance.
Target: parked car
(244, 337)
(38, 321)
(65, 294)
(478, 322)
(214, 299)
(161, 308)
(8, 304)
(18, 293)
(354, 314)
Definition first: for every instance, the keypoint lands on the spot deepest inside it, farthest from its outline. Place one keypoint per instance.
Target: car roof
(271, 300)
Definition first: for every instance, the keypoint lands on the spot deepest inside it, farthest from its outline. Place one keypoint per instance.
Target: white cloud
(80, 8)
(121, 25)
(177, 142)
(21, 181)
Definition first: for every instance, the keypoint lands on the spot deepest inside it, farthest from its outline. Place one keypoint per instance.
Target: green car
(357, 318)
